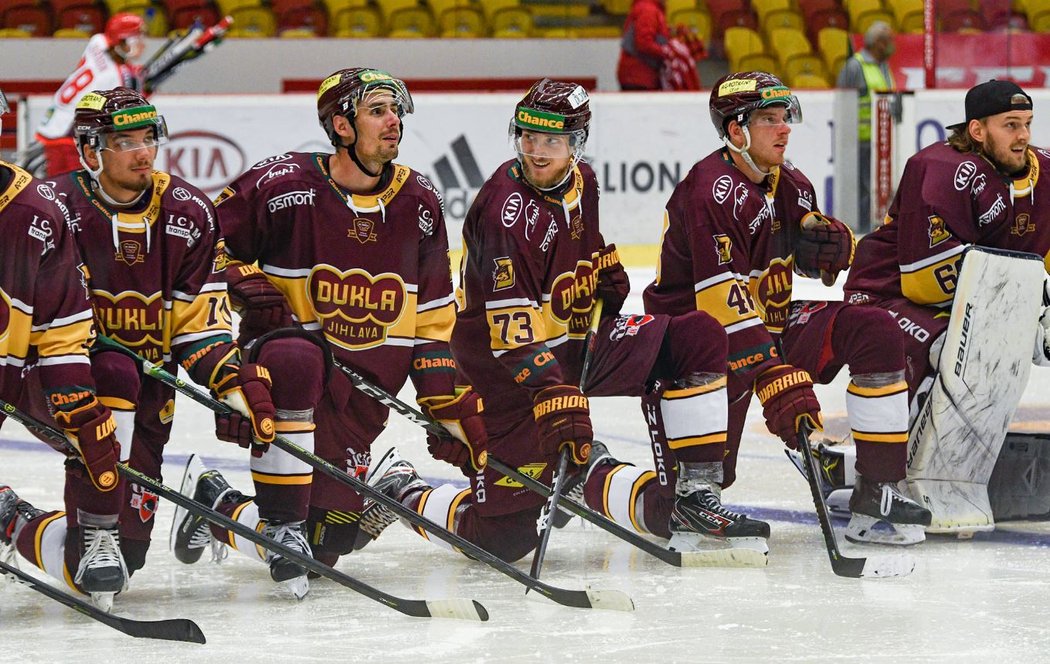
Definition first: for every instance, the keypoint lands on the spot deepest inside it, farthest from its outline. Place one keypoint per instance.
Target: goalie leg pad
(982, 372)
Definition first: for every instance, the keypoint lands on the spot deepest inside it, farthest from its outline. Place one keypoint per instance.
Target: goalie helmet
(342, 92)
(122, 26)
(105, 111)
(735, 96)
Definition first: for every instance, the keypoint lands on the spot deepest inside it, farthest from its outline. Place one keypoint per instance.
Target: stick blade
(458, 609)
(610, 600)
(175, 629)
(887, 566)
(727, 557)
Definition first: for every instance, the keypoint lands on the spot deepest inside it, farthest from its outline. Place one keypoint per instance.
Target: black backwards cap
(992, 98)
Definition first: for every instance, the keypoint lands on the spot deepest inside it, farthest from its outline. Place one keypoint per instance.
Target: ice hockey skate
(699, 519)
(574, 485)
(13, 512)
(102, 572)
(883, 515)
(191, 534)
(394, 477)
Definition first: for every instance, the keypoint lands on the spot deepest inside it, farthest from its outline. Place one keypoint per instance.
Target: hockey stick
(177, 629)
(875, 566)
(545, 524)
(447, 608)
(191, 45)
(584, 599)
(726, 557)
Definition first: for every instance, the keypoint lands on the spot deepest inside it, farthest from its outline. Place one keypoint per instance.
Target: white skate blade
(864, 529)
(103, 601)
(194, 468)
(299, 586)
(899, 564)
(702, 551)
(838, 501)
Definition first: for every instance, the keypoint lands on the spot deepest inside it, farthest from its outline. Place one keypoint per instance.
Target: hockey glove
(93, 432)
(563, 419)
(1041, 353)
(466, 444)
(247, 391)
(825, 247)
(787, 397)
(613, 284)
(261, 306)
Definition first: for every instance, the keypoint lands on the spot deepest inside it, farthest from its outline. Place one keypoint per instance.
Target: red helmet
(340, 93)
(735, 96)
(103, 111)
(124, 25)
(556, 108)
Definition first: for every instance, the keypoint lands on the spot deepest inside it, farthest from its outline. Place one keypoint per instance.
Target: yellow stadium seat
(763, 8)
(786, 43)
(804, 63)
(358, 22)
(833, 45)
(864, 20)
(388, 7)
(252, 22)
(16, 33)
(672, 6)
(857, 7)
(461, 22)
(1040, 22)
(697, 21)
(511, 22)
(410, 23)
(491, 7)
(811, 81)
(740, 41)
(617, 7)
(783, 18)
(227, 7)
(297, 33)
(758, 62)
(557, 32)
(336, 6)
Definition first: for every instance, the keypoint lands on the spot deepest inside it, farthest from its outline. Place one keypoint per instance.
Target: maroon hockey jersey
(727, 249)
(154, 277)
(45, 317)
(370, 272)
(527, 285)
(947, 200)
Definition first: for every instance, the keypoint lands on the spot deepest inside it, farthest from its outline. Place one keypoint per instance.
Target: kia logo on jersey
(206, 159)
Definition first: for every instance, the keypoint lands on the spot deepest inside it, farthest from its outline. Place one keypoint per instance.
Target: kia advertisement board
(641, 145)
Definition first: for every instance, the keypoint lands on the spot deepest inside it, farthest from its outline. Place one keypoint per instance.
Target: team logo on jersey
(129, 252)
(1022, 224)
(143, 501)
(576, 227)
(222, 259)
(721, 188)
(938, 231)
(362, 230)
(132, 319)
(503, 275)
(724, 248)
(572, 296)
(629, 326)
(963, 173)
(355, 308)
(773, 294)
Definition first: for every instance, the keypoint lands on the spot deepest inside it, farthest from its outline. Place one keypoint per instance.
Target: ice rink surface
(978, 600)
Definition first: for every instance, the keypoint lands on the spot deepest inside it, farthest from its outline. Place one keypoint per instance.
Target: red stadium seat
(182, 13)
(826, 18)
(963, 20)
(300, 15)
(82, 15)
(27, 15)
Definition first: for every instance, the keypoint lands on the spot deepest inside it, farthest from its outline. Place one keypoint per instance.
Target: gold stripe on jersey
(514, 326)
(933, 280)
(726, 298)
(436, 324)
(870, 392)
(876, 437)
(38, 537)
(293, 426)
(19, 182)
(620, 494)
(231, 539)
(64, 341)
(116, 403)
(366, 201)
(208, 312)
(687, 392)
(281, 480)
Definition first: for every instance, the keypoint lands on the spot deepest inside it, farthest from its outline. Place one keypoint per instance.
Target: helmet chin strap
(744, 154)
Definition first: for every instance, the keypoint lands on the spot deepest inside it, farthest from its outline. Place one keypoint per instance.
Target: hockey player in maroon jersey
(154, 271)
(45, 327)
(983, 186)
(351, 247)
(735, 229)
(534, 262)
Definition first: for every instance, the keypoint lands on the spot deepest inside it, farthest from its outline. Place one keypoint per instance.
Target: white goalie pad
(982, 371)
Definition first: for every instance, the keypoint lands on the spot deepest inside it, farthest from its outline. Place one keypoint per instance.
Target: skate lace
(375, 519)
(290, 535)
(889, 494)
(709, 500)
(202, 537)
(102, 549)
